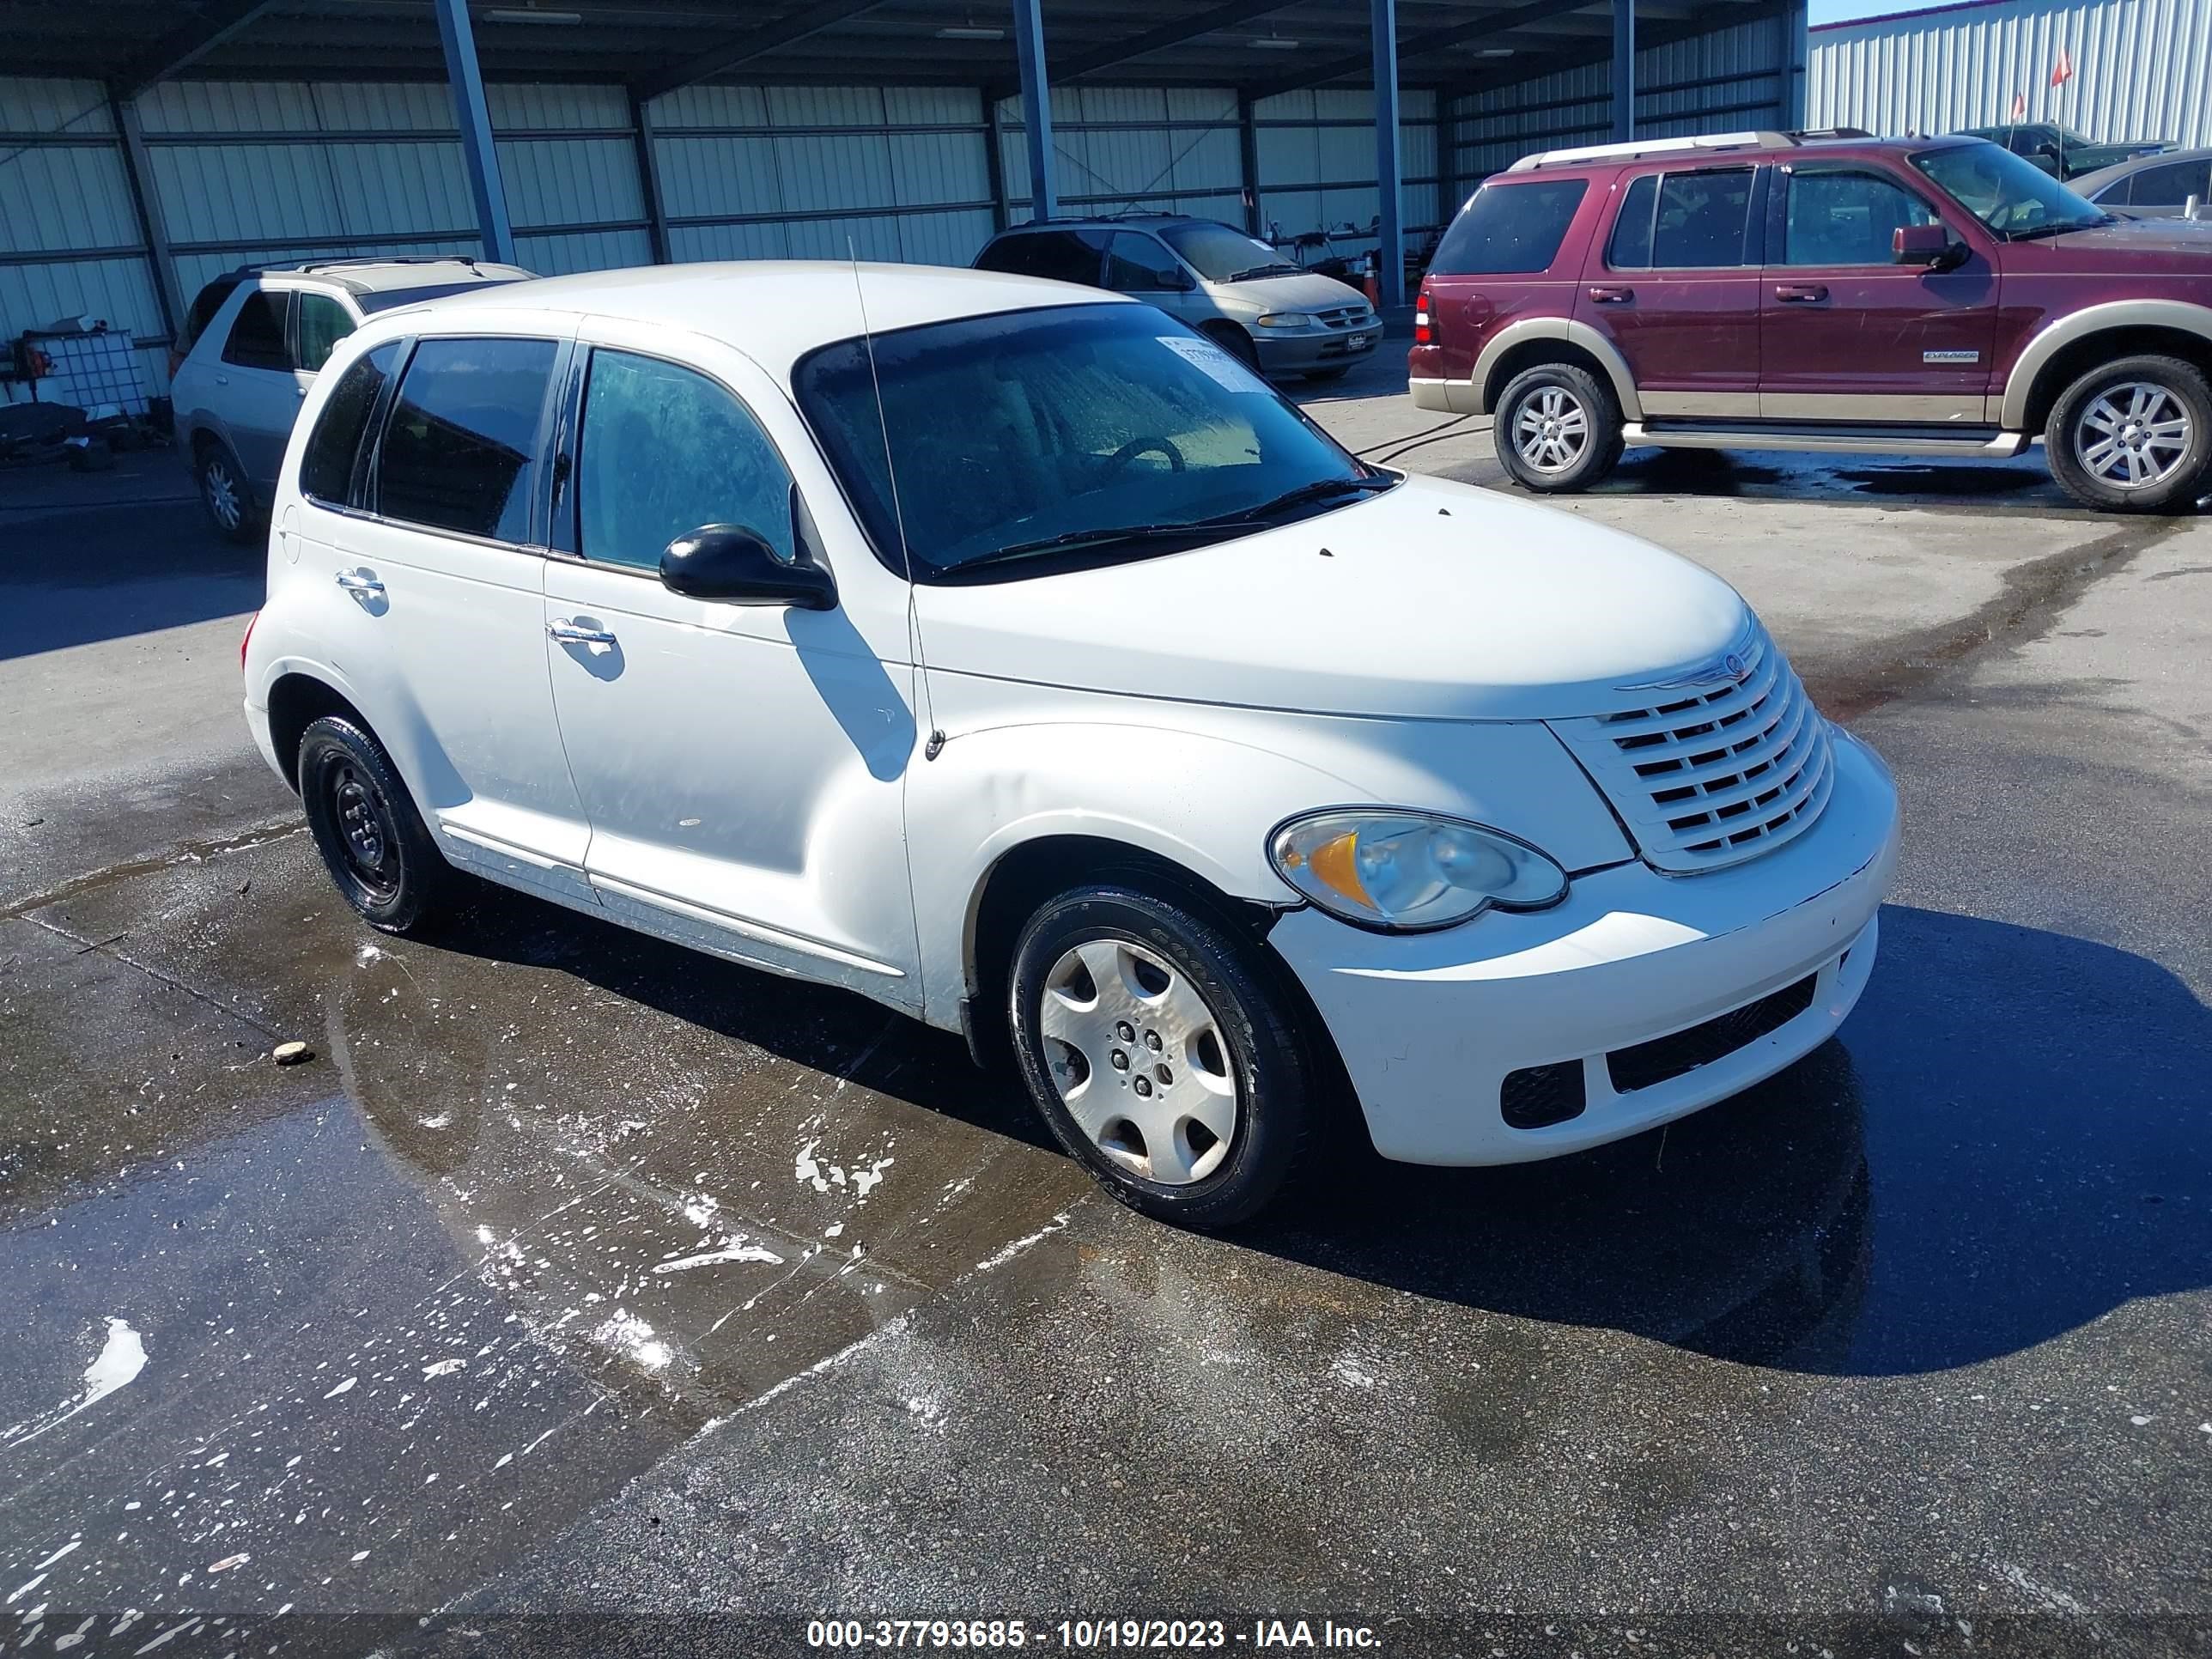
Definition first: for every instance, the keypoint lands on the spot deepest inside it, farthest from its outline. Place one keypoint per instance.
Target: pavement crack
(2034, 597)
(228, 1010)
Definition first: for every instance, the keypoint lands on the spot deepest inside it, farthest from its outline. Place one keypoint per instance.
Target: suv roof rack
(303, 266)
(1808, 135)
(1637, 148)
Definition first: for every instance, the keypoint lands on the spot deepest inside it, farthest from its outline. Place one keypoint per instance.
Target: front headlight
(1404, 872)
(1287, 319)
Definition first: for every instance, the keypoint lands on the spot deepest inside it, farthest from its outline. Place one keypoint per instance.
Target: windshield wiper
(2060, 229)
(1277, 269)
(1244, 517)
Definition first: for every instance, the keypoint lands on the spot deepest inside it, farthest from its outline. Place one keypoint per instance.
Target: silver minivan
(252, 344)
(1234, 288)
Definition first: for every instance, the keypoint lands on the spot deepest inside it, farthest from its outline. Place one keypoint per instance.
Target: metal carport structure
(145, 144)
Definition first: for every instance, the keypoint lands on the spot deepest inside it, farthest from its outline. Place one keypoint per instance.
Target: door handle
(569, 633)
(360, 581)
(1796, 295)
(1612, 296)
(222, 380)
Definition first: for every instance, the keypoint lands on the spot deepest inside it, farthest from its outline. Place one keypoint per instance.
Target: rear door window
(665, 452)
(1509, 227)
(1062, 255)
(321, 322)
(326, 466)
(1684, 221)
(460, 448)
(258, 332)
(1845, 216)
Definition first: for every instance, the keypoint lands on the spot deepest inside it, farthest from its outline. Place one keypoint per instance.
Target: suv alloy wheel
(2133, 436)
(1557, 428)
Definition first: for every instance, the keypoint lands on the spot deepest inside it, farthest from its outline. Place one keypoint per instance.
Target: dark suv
(1777, 291)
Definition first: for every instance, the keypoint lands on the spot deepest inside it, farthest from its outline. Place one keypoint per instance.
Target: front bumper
(1431, 1025)
(1288, 354)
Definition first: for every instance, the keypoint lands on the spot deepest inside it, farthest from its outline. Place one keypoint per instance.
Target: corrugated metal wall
(1732, 79)
(2141, 69)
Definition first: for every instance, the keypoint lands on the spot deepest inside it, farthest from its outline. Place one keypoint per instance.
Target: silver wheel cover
(1551, 429)
(2133, 436)
(1137, 1056)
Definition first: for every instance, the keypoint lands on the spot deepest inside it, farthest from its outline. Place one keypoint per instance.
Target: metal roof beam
(1227, 16)
(737, 49)
(1600, 49)
(1495, 23)
(218, 20)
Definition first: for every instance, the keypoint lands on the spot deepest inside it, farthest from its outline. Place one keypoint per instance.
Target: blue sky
(1841, 11)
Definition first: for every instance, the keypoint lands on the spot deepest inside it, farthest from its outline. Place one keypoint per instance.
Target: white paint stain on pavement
(736, 1248)
(116, 1366)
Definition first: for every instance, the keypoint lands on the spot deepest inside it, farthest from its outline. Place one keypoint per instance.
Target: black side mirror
(729, 561)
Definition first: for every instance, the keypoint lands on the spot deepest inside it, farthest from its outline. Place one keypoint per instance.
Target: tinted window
(1076, 421)
(2168, 186)
(327, 467)
(1509, 227)
(322, 323)
(257, 333)
(665, 451)
(1064, 256)
(1690, 221)
(204, 307)
(458, 451)
(1845, 218)
(1135, 264)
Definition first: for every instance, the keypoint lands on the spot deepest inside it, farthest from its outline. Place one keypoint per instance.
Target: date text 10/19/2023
(1085, 1635)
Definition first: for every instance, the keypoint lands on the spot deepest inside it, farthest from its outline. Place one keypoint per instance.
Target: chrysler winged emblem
(1728, 670)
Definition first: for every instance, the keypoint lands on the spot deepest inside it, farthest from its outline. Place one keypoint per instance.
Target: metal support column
(1036, 108)
(1247, 160)
(1800, 51)
(1623, 69)
(994, 159)
(648, 177)
(138, 174)
(1390, 276)
(1446, 157)
(475, 118)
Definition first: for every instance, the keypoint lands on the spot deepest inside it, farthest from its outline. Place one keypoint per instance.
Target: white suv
(253, 343)
(1031, 666)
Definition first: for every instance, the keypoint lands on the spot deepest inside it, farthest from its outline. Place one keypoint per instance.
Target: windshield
(1075, 433)
(1222, 255)
(2014, 197)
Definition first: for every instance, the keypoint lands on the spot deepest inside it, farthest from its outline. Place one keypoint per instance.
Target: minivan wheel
(1159, 1055)
(223, 492)
(1236, 342)
(1557, 428)
(373, 840)
(2133, 436)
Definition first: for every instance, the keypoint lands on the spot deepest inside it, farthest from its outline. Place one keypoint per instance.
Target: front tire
(374, 842)
(2133, 436)
(1557, 428)
(1160, 1055)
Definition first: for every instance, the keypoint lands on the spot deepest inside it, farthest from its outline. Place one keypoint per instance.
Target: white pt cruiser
(1005, 652)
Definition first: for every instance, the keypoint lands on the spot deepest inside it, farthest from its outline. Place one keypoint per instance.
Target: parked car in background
(253, 343)
(1031, 666)
(2061, 151)
(1765, 291)
(1232, 288)
(2153, 187)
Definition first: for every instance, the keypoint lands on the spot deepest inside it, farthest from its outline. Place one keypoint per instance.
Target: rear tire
(226, 496)
(374, 842)
(2133, 436)
(1176, 1072)
(1557, 428)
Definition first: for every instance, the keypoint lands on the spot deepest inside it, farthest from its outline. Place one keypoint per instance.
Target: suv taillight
(247, 640)
(1423, 333)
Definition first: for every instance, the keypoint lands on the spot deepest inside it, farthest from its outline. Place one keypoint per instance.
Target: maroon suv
(1777, 291)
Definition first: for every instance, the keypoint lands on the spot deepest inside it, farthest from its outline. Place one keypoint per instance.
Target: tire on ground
(1576, 452)
(2079, 447)
(374, 842)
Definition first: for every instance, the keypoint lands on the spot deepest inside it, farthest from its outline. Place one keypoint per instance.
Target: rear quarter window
(326, 466)
(204, 307)
(1509, 227)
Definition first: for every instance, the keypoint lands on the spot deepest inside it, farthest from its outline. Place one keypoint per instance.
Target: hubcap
(366, 831)
(1551, 429)
(1139, 1059)
(221, 495)
(2133, 436)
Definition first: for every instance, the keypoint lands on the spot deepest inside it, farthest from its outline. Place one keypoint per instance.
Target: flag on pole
(2063, 71)
(2019, 106)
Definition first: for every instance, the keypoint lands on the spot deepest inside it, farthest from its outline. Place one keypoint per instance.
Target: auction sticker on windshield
(1225, 370)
